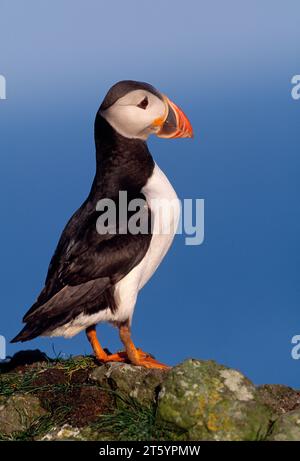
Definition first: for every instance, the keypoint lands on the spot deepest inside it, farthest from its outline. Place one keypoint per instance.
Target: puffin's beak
(175, 124)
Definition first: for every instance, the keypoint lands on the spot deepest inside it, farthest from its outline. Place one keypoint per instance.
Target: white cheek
(126, 120)
(132, 121)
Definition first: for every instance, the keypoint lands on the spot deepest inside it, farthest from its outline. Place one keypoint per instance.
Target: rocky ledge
(78, 399)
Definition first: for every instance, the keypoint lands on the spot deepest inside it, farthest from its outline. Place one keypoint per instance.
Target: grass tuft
(72, 364)
(134, 421)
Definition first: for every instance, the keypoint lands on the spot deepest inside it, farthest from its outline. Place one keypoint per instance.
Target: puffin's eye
(144, 103)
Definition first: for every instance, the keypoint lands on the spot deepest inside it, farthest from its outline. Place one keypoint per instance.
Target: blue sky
(235, 298)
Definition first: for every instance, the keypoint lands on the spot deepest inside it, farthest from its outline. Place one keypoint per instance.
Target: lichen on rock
(212, 402)
(141, 384)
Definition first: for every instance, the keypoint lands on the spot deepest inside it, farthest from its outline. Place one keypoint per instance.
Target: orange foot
(132, 355)
(118, 357)
(148, 361)
(144, 359)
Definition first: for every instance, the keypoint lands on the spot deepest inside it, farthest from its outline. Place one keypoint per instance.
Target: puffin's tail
(26, 334)
(63, 307)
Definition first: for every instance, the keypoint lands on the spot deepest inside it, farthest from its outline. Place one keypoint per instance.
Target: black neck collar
(121, 163)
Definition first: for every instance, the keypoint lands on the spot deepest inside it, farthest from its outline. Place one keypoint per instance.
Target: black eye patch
(144, 103)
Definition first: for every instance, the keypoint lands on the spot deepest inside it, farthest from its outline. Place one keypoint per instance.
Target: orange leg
(99, 352)
(131, 354)
(137, 356)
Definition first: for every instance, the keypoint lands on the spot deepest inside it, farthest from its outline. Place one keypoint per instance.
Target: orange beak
(175, 124)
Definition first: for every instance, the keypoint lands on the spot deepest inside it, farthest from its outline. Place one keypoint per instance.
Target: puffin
(95, 276)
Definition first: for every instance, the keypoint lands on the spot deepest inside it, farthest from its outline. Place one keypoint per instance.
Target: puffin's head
(137, 109)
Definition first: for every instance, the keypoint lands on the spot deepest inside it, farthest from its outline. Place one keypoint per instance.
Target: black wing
(84, 266)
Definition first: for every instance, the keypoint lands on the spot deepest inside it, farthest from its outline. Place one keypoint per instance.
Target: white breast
(165, 208)
(166, 212)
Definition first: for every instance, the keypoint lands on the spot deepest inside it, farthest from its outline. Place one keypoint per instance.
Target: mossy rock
(18, 412)
(286, 427)
(138, 383)
(76, 399)
(212, 402)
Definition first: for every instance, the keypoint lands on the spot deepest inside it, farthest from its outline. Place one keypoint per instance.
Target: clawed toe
(143, 360)
(148, 362)
(118, 357)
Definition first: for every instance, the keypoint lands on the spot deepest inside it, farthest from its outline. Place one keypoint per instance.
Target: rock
(75, 399)
(286, 427)
(18, 412)
(280, 398)
(139, 383)
(70, 433)
(211, 402)
(66, 432)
